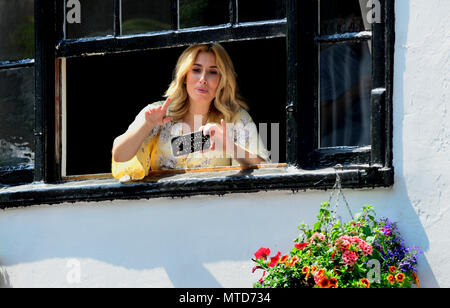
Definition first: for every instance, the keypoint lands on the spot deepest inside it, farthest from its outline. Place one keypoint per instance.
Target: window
(16, 91)
(340, 86)
(325, 67)
(98, 82)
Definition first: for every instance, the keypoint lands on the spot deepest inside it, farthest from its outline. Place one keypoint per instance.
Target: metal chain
(337, 189)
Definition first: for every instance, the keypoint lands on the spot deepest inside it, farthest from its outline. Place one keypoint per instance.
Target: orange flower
(400, 277)
(313, 268)
(333, 282)
(365, 282)
(324, 283)
(391, 279)
(416, 279)
(392, 269)
(284, 258)
(335, 269)
(305, 270)
(293, 261)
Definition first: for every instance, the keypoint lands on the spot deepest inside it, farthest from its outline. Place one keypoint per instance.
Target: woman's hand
(126, 145)
(219, 138)
(220, 141)
(157, 116)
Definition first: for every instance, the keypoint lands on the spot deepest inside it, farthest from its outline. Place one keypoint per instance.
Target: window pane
(140, 16)
(16, 117)
(16, 29)
(343, 16)
(254, 10)
(195, 13)
(345, 85)
(96, 18)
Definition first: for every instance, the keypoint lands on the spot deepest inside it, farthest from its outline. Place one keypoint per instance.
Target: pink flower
(365, 248)
(318, 235)
(343, 242)
(349, 257)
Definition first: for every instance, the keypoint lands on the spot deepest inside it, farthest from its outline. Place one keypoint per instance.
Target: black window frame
(369, 166)
(19, 174)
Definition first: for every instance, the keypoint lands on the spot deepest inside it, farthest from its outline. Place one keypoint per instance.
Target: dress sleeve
(138, 167)
(246, 135)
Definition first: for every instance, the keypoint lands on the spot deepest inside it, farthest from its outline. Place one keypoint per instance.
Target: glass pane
(254, 10)
(196, 13)
(343, 16)
(16, 117)
(345, 85)
(140, 16)
(16, 29)
(90, 18)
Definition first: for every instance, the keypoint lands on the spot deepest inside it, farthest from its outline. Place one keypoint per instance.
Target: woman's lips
(201, 90)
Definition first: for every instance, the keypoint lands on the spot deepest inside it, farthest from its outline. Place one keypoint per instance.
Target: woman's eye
(213, 72)
(197, 70)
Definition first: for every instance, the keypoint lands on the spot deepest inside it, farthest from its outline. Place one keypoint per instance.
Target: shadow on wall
(397, 204)
(182, 236)
(408, 216)
(4, 279)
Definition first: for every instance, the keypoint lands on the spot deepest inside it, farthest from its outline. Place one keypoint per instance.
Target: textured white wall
(208, 241)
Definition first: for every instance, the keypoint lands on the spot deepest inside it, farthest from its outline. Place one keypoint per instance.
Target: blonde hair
(227, 101)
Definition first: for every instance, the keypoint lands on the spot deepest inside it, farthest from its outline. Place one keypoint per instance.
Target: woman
(202, 97)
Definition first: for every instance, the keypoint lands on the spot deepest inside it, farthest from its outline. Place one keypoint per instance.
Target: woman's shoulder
(242, 115)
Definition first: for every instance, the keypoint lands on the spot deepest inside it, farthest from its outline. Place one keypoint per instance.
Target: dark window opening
(345, 87)
(196, 13)
(140, 16)
(256, 10)
(96, 18)
(105, 93)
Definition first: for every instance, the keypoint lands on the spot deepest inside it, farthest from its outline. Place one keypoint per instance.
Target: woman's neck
(197, 116)
(199, 109)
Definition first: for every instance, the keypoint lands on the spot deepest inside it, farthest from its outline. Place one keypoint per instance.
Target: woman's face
(203, 79)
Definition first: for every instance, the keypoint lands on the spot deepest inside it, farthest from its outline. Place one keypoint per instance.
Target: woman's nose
(203, 78)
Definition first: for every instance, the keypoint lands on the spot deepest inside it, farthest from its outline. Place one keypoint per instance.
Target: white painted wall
(208, 241)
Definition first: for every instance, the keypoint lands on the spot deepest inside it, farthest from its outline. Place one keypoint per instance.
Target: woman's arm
(126, 145)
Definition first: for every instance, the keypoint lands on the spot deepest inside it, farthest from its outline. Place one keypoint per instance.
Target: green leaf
(317, 226)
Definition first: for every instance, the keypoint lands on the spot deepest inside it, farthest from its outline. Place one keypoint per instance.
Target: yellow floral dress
(155, 152)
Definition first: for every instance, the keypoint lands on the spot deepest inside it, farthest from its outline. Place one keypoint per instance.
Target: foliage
(363, 253)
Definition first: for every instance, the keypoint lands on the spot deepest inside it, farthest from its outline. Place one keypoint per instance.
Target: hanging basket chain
(337, 190)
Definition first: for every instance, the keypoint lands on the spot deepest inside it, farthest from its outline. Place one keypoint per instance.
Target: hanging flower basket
(366, 252)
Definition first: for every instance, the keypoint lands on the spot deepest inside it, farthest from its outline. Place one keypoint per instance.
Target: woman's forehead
(205, 58)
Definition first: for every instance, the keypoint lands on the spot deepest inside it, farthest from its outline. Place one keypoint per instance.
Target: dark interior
(105, 93)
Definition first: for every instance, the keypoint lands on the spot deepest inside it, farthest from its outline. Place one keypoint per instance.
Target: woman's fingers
(166, 105)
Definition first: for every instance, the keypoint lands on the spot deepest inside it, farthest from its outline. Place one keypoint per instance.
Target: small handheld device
(190, 143)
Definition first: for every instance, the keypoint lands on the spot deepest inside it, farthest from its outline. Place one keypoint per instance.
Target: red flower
(301, 245)
(262, 253)
(274, 260)
(261, 279)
